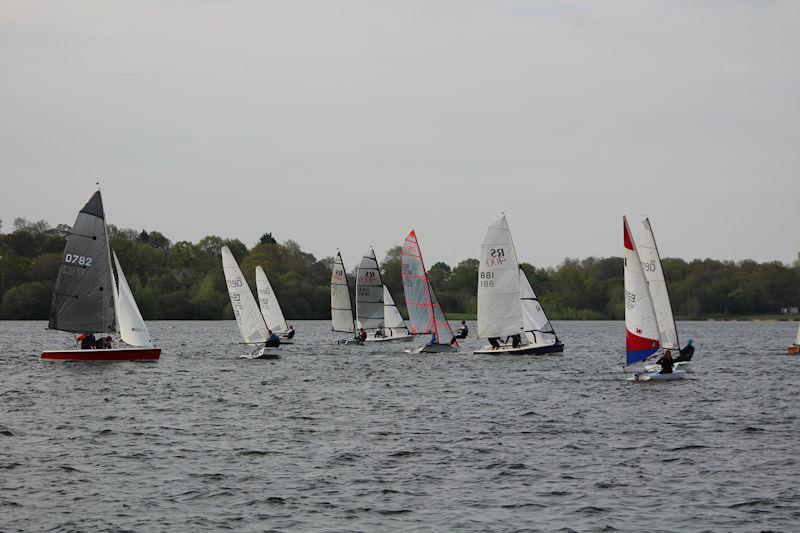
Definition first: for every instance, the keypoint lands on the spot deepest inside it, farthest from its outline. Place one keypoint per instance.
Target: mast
(110, 271)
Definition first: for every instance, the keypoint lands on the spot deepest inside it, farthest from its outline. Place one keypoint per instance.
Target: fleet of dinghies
(88, 299)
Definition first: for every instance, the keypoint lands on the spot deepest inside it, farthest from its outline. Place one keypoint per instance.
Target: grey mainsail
(369, 293)
(83, 297)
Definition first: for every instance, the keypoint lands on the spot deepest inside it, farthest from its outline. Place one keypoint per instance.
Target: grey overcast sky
(347, 123)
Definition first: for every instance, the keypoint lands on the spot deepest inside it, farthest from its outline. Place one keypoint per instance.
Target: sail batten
(268, 302)
(642, 336)
(341, 304)
(83, 296)
(657, 285)
(248, 316)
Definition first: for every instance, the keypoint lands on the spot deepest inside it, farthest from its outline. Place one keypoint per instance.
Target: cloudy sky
(346, 123)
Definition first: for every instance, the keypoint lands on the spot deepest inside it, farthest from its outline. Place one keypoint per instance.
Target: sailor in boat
(666, 363)
(495, 342)
(686, 352)
(289, 332)
(462, 331)
(103, 343)
(362, 335)
(86, 341)
(516, 340)
(272, 341)
(380, 333)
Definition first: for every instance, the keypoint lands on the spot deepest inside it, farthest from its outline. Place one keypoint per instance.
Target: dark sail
(83, 295)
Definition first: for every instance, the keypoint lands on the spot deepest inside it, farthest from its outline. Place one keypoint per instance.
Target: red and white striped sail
(642, 337)
(425, 315)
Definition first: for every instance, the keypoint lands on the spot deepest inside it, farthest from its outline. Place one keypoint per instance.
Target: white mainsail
(369, 293)
(654, 274)
(391, 315)
(245, 309)
(270, 308)
(132, 329)
(642, 336)
(797, 340)
(538, 328)
(499, 308)
(341, 305)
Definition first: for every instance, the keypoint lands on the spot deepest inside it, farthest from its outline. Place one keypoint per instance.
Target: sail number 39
(81, 260)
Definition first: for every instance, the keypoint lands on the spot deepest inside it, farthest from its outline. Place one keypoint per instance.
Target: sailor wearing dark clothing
(272, 341)
(686, 352)
(462, 331)
(362, 335)
(515, 340)
(495, 342)
(666, 363)
(289, 332)
(87, 341)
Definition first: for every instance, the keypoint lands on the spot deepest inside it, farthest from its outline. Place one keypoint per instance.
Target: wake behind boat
(86, 298)
(507, 306)
(250, 321)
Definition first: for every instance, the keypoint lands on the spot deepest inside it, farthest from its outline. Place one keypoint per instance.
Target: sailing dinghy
(642, 337)
(376, 311)
(342, 319)
(507, 305)
(795, 348)
(270, 308)
(657, 285)
(424, 312)
(252, 327)
(86, 298)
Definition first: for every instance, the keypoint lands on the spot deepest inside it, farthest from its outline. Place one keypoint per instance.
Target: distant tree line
(184, 280)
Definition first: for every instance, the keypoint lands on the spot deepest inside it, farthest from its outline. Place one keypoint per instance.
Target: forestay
(654, 274)
(83, 297)
(392, 318)
(270, 308)
(369, 293)
(424, 313)
(245, 309)
(642, 337)
(537, 326)
(499, 307)
(132, 328)
(341, 305)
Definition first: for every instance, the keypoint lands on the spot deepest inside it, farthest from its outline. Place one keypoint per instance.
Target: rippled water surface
(369, 438)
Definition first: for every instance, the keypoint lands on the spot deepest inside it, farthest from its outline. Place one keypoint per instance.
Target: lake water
(339, 438)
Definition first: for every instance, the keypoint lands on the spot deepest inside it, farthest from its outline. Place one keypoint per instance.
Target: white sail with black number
(270, 308)
(341, 304)
(369, 293)
(132, 329)
(499, 307)
(245, 309)
(537, 326)
(657, 284)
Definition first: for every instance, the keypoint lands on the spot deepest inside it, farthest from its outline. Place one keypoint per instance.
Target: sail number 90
(486, 279)
(81, 260)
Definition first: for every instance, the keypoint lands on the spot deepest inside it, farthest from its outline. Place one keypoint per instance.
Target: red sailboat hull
(112, 354)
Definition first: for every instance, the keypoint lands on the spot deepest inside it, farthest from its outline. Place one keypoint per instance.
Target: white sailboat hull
(655, 376)
(686, 366)
(405, 338)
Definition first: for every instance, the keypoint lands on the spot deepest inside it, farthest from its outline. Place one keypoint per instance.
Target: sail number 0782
(81, 260)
